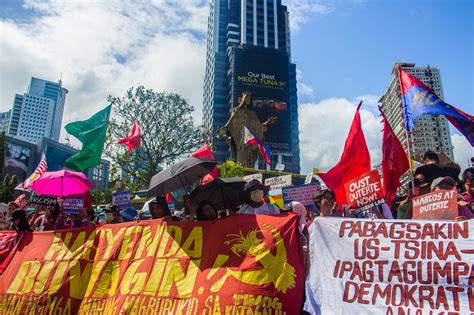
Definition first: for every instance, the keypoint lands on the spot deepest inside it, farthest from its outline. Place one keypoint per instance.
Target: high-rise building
(248, 49)
(431, 132)
(38, 113)
(5, 121)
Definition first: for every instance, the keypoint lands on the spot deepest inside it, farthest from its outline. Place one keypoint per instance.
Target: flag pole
(407, 133)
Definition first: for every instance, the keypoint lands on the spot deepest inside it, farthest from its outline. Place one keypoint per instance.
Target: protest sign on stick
(302, 193)
(438, 205)
(73, 204)
(278, 182)
(121, 199)
(365, 192)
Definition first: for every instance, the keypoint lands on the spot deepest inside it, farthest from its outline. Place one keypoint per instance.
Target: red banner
(438, 205)
(8, 243)
(243, 264)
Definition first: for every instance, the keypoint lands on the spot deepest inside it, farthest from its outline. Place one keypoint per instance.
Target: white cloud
(303, 89)
(323, 130)
(302, 11)
(369, 100)
(104, 47)
(463, 151)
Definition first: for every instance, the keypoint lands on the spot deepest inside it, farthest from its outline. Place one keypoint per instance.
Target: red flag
(394, 161)
(206, 153)
(355, 161)
(133, 139)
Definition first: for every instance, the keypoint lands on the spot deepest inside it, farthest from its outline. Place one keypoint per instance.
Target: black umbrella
(223, 193)
(180, 175)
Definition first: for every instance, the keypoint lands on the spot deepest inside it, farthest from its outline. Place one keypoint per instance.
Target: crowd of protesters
(432, 176)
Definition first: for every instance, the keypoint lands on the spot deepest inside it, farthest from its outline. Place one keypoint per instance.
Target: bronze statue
(241, 116)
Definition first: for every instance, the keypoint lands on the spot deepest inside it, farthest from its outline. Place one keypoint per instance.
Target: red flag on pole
(133, 139)
(394, 161)
(355, 161)
(206, 153)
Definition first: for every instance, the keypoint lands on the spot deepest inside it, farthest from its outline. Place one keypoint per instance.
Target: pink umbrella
(61, 183)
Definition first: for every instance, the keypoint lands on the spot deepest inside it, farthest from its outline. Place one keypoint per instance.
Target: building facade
(248, 49)
(431, 132)
(38, 113)
(5, 121)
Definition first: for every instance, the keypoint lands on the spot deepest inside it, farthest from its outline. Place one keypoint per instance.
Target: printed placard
(73, 204)
(279, 182)
(302, 193)
(44, 200)
(365, 191)
(121, 199)
(438, 205)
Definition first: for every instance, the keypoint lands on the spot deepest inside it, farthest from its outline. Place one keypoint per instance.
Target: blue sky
(344, 50)
(351, 51)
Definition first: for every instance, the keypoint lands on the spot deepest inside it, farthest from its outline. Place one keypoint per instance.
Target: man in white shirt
(254, 193)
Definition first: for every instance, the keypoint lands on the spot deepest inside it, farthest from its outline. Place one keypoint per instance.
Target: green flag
(91, 133)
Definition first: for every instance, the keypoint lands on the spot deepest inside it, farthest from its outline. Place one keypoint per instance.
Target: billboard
(265, 74)
(17, 160)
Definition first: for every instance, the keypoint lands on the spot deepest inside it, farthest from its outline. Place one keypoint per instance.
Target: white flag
(40, 169)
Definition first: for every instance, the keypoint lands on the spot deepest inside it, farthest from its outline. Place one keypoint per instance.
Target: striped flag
(251, 138)
(40, 169)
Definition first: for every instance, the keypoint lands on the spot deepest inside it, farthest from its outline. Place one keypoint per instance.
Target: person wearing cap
(159, 208)
(404, 210)
(19, 222)
(254, 193)
(325, 201)
(432, 168)
(448, 183)
(129, 214)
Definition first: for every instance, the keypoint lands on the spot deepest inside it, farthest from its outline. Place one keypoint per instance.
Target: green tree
(7, 188)
(167, 132)
(231, 169)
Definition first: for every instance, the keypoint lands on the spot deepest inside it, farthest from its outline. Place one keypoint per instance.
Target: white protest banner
(279, 182)
(257, 176)
(73, 204)
(438, 205)
(390, 267)
(302, 193)
(121, 199)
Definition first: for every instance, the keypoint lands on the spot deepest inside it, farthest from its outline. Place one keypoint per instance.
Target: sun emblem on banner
(275, 268)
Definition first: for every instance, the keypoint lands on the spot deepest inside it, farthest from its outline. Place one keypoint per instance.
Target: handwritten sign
(302, 193)
(257, 176)
(279, 182)
(21, 202)
(438, 205)
(121, 199)
(73, 204)
(365, 191)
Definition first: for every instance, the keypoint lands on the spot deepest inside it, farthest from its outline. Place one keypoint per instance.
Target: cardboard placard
(279, 182)
(21, 202)
(257, 176)
(73, 204)
(365, 191)
(302, 193)
(438, 205)
(121, 199)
